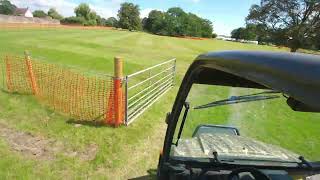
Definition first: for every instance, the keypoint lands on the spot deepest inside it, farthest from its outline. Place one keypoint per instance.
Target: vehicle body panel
(231, 147)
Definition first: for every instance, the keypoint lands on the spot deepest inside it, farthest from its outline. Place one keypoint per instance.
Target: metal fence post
(126, 100)
(174, 71)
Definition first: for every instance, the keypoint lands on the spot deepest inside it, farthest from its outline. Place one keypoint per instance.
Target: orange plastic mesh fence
(80, 96)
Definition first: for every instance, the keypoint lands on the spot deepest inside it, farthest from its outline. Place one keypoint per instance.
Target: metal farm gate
(145, 87)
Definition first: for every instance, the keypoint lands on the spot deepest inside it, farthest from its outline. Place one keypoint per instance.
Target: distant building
(225, 38)
(228, 38)
(25, 12)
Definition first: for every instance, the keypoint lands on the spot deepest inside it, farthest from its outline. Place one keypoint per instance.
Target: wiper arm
(240, 99)
(305, 162)
(187, 107)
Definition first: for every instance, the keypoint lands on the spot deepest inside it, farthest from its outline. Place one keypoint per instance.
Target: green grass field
(127, 151)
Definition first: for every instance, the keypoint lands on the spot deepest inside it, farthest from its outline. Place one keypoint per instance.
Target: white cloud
(105, 8)
(195, 1)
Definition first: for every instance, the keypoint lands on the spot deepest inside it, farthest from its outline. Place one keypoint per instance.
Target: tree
(247, 33)
(54, 14)
(155, 22)
(101, 21)
(83, 10)
(6, 7)
(214, 35)
(250, 32)
(129, 16)
(92, 15)
(112, 22)
(176, 22)
(295, 19)
(39, 14)
(263, 37)
(194, 25)
(206, 30)
(236, 33)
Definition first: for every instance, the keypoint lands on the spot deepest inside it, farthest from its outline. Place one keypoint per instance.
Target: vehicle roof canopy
(296, 75)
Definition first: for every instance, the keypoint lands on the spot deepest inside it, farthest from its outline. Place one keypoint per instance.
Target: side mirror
(168, 117)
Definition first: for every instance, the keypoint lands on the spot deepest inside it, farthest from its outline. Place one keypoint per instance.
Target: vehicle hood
(231, 147)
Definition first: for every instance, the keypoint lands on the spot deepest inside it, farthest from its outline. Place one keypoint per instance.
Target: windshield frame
(217, 69)
(240, 162)
(198, 70)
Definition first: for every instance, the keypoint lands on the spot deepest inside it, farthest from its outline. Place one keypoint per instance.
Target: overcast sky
(226, 15)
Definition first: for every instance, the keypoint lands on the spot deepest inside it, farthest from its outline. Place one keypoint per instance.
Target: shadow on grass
(15, 93)
(97, 124)
(152, 174)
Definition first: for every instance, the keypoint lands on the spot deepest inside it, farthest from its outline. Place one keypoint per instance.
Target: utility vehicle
(222, 152)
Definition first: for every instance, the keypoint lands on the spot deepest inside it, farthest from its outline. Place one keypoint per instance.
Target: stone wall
(4, 19)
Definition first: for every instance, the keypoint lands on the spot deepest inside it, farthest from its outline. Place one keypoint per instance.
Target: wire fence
(145, 87)
(87, 97)
(82, 97)
(53, 26)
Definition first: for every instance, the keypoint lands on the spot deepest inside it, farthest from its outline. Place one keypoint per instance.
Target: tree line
(128, 17)
(84, 16)
(176, 22)
(292, 23)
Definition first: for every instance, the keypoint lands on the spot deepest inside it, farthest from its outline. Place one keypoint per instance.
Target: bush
(214, 35)
(39, 14)
(74, 20)
(91, 22)
(176, 22)
(54, 14)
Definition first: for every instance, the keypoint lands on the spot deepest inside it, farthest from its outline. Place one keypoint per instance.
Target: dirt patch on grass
(41, 148)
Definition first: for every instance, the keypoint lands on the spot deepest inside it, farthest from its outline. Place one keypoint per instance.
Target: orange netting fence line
(81, 96)
(53, 26)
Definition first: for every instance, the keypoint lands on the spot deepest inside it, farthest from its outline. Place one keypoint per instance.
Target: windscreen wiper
(305, 162)
(240, 99)
(187, 107)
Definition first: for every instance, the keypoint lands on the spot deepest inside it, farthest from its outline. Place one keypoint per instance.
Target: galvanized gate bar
(148, 88)
(145, 95)
(148, 104)
(160, 78)
(147, 69)
(152, 77)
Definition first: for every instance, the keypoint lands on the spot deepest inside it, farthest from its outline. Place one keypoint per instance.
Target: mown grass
(126, 151)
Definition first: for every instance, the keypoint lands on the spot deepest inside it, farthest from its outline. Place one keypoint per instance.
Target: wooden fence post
(114, 114)
(31, 74)
(118, 94)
